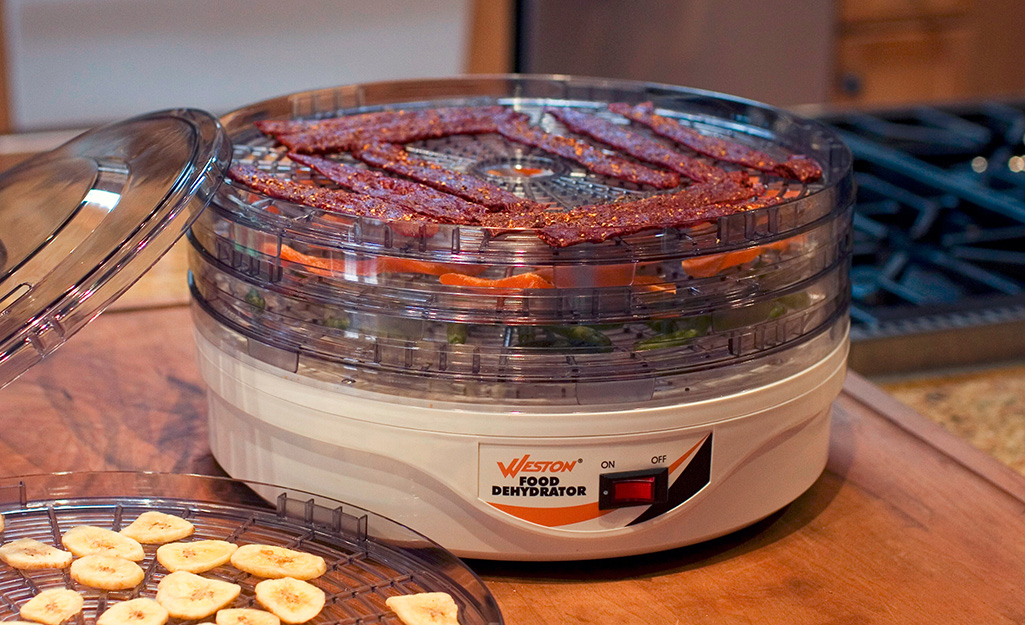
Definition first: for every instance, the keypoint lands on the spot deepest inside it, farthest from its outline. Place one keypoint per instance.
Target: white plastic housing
(430, 466)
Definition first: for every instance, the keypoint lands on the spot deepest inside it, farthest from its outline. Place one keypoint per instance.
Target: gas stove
(938, 268)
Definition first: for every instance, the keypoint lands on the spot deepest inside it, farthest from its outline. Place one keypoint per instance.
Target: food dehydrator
(650, 390)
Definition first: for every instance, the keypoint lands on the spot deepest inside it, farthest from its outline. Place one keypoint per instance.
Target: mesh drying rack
(370, 558)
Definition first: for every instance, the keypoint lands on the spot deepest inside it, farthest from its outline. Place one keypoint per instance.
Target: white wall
(76, 63)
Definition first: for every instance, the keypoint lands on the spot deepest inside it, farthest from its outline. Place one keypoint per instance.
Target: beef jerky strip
(274, 127)
(394, 158)
(319, 197)
(594, 159)
(797, 167)
(428, 125)
(443, 207)
(637, 145)
(698, 202)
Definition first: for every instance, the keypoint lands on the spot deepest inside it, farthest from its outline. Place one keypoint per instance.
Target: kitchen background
(921, 65)
(73, 63)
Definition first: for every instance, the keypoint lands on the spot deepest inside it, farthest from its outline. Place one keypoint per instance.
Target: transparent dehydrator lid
(369, 557)
(644, 317)
(83, 222)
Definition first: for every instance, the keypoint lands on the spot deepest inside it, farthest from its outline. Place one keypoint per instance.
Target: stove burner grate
(939, 226)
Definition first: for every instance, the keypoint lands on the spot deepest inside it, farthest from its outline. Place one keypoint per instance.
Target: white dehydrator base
(432, 467)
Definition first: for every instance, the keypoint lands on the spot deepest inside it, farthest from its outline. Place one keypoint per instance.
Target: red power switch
(632, 488)
(641, 490)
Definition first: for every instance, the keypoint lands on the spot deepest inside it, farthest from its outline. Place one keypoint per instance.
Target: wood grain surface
(123, 394)
(908, 524)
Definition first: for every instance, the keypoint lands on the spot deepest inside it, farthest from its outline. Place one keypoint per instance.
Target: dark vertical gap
(522, 22)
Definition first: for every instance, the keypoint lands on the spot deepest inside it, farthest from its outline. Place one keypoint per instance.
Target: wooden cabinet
(903, 50)
(867, 11)
(897, 51)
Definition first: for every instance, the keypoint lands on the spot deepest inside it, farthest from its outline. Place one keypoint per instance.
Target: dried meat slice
(318, 197)
(444, 207)
(414, 126)
(699, 202)
(636, 145)
(395, 159)
(799, 167)
(274, 127)
(597, 160)
(805, 170)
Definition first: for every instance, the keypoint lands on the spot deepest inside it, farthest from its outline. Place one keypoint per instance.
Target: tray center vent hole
(519, 169)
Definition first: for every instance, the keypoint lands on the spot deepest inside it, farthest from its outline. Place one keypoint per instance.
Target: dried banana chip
(292, 600)
(246, 616)
(274, 562)
(53, 606)
(425, 608)
(30, 554)
(1, 522)
(106, 572)
(141, 611)
(155, 528)
(189, 596)
(85, 540)
(195, 557)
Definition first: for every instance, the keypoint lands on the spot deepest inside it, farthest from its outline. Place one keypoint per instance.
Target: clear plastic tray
(769, 130)
(643, 317)
(369, 557)
(420, 372)
(615, 292)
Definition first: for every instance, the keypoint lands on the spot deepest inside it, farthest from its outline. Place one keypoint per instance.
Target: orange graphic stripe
(680, 460)
(554, 517)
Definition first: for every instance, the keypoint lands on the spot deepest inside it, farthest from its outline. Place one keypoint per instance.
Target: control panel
(587, 487)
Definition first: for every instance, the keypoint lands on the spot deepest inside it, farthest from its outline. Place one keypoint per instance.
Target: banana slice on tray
(425, 608)
(195, 557)
(246, 616)
(141, 611)
(30, 554)
(155, 528)
(85, 540)
(292, 600)
(106, 572)
(53, 606)
(275, 562)
(190, 596)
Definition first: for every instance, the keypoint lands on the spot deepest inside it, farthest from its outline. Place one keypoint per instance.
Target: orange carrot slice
(653, 284)
(708, 266)
(370, 266)
(319, 266)
(528, 280)
(394, 264)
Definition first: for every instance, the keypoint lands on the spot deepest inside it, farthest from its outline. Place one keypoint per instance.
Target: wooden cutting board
(908, 524)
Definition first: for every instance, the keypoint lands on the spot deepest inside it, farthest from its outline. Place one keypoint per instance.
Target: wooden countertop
(908, 524)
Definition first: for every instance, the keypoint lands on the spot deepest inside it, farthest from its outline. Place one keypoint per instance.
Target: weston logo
(524, 464)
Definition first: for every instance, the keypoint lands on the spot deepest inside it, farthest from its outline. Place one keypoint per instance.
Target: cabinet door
(904, 65)
(852, 11)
